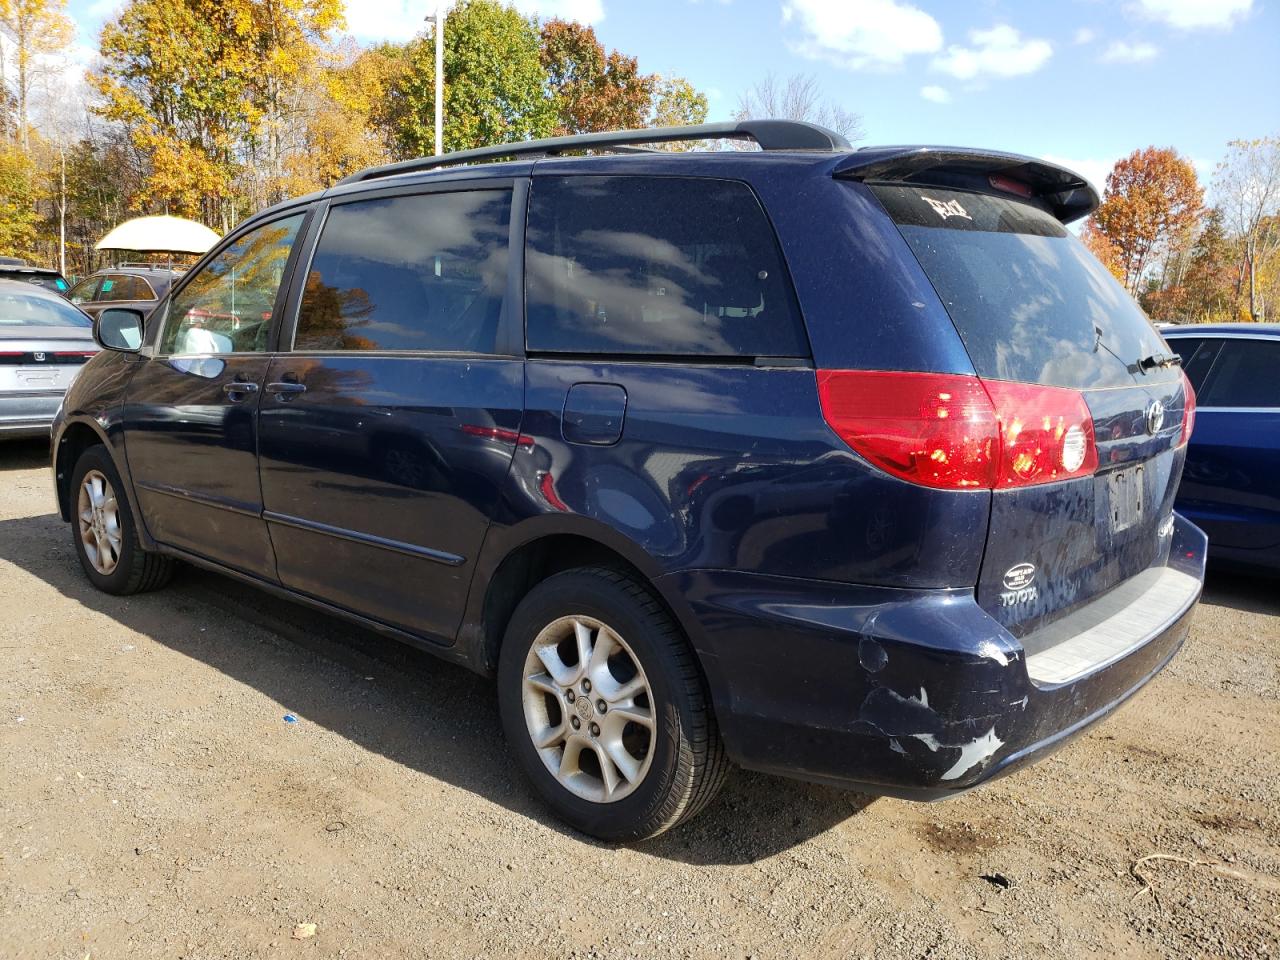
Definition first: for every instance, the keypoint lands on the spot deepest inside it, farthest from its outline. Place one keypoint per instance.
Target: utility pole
(437, 19)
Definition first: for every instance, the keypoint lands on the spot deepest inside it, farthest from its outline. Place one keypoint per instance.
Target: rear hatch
(1083, 388)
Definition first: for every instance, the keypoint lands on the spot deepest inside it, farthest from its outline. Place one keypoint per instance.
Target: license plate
(38, 377)
(1124, 488)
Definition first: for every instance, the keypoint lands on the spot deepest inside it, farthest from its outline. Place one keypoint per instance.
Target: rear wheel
(103, 529)
(605, 709)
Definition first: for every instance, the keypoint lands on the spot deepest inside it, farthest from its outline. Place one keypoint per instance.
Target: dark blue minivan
(847, 465)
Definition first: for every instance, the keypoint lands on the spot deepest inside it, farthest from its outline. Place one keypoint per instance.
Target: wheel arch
(73, 438)
(533, 551)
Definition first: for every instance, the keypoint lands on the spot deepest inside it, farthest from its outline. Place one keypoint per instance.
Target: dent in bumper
(904, 692)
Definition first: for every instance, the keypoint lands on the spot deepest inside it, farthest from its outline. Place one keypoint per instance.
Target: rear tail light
(958, 432)
(1188, 411)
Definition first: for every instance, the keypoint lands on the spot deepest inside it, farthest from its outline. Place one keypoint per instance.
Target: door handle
(285, 389)
(238, 389)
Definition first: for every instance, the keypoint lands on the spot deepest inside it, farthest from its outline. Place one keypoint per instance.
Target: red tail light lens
(1046, 433)
(1188, 411)
(958, 432)
(938, 430)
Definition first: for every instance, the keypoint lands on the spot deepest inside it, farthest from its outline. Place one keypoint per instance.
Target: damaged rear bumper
(911, 693)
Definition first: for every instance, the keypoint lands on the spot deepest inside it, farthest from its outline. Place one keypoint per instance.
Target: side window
(424, 272)
(1197, 358)
(656, 265)
(113, 288)
(84, 291)
(1245, 375)
(132, 288)
(227, 306)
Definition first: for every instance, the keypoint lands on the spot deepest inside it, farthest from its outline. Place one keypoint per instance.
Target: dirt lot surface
(155, 803)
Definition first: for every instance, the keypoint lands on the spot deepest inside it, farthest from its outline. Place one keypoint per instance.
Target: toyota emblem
(1155, 417)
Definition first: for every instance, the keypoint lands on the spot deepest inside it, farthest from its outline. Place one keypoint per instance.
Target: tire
(665, 771)
(106, 535)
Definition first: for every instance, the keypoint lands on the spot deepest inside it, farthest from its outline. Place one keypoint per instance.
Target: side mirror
(119, 329)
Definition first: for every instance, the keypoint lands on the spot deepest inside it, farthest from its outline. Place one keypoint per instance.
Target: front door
(191, 410)
(388, 429)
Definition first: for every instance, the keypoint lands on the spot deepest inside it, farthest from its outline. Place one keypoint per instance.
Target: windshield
(1029, 301)
(38, 310)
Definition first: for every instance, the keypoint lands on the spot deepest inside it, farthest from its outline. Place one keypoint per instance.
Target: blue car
(847, 465)
(1231, 483)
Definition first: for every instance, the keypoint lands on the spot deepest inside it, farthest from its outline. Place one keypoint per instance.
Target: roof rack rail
(769, 134)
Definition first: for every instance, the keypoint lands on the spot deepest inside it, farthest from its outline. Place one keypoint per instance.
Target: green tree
(676, 104)
(495, 84)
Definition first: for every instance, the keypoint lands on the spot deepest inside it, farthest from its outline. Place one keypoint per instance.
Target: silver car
(44, 341)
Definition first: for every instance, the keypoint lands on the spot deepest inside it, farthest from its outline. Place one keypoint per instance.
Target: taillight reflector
(959, 432)
(1188, 411)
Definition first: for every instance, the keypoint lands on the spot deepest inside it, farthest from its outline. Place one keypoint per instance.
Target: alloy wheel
(589, 709)
(99, 520)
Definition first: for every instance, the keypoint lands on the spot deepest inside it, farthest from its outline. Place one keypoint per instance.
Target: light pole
(437, 19)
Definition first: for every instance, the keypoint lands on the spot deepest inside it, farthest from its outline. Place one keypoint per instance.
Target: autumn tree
(18, 193)
(797, 98)
(1101, 247)
(200, 86)
(494, 90)
(342, 130)
(1152, 199)
(38, 29)
(1247, 186)
(593, 90)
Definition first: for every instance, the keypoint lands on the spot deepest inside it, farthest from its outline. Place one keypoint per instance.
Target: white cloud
(402, 19)
(1122, 52)
(1188, 14)
(1084, 35)
(1000, 51)
(935, 94)
(862, 33)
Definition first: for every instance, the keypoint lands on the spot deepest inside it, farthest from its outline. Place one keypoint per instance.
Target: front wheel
(605, 709)
(106, 540)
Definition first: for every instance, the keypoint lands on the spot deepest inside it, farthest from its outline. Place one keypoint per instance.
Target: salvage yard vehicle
(46, 277)
(1229, 487)
(847, 465)
(44, 343)
(136, 285)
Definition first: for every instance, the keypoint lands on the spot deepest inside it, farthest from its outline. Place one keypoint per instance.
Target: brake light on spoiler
(956, 432)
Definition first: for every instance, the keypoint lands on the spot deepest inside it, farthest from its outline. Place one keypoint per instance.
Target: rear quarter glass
(1029, 301)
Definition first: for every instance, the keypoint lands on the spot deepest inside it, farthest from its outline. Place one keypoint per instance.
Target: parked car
(129, 285)
(44, 342)
(1230, 487)
(851, 466)
(41, 276)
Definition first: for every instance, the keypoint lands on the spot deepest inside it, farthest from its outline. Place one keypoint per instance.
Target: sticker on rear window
(946, 208)
(107, 285)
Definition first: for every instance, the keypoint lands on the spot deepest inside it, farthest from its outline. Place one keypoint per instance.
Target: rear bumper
(28, 414)
(918, 694)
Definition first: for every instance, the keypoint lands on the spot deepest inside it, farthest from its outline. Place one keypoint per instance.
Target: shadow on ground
(23, 454)
(421, 712)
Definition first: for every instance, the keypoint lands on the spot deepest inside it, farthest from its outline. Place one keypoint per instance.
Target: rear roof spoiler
(1067, 194)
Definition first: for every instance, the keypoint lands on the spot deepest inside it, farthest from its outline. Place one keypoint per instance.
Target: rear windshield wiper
(1159, 360)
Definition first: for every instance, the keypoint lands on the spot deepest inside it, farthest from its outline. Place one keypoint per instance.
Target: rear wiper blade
(1159, 360)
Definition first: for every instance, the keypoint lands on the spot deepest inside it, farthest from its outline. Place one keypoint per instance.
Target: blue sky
(1080, 81)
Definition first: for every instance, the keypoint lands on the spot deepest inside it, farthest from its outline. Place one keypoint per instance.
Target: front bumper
(911, 693)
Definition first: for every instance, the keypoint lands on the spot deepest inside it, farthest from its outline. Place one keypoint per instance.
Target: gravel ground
(154, 803)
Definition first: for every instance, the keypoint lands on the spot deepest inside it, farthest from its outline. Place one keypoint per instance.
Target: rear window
(1245, 376)
(40, 310)
(1029, 301)
(656, 266)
